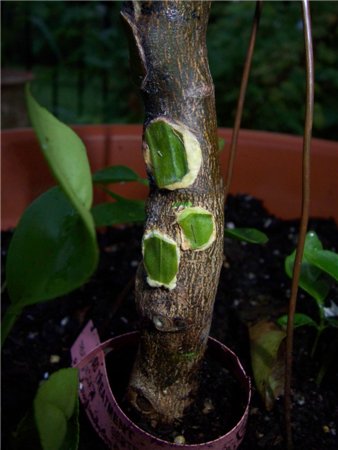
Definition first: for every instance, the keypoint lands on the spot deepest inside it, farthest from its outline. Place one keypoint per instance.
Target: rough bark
(169, 63)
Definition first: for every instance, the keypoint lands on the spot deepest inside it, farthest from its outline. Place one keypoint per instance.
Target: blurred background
(75, 53)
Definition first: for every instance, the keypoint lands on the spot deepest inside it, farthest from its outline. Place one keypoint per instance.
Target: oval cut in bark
(161, 257)
(173, 154)
(197, 228)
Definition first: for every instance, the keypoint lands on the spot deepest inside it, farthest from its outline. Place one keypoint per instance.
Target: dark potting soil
(253, 286)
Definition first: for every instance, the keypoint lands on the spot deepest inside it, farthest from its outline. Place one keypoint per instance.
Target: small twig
(304, 215)
(241, 97)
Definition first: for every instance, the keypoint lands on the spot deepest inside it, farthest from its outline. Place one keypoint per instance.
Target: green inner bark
(167, 153)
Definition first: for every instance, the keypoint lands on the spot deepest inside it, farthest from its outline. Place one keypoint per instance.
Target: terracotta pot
(268, 166)
(112, 424)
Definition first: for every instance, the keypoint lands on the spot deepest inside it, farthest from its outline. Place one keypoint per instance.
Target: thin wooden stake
(304, 215)
(241, 97)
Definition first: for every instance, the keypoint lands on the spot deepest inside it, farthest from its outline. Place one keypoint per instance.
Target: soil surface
(252, 287)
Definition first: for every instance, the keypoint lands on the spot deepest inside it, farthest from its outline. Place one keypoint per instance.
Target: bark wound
(173, 74)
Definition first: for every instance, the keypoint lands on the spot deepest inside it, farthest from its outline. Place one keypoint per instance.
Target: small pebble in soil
(236, 302)
(267, 223)
(300, 400)
(54, 359)
(208, 406)
(179, 440)
(64, 321)
(32, 335)
(110, 248)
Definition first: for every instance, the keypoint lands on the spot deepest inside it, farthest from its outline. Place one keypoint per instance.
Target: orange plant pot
(268, 166)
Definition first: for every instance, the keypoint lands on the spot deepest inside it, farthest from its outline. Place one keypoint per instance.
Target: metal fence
(78, 54)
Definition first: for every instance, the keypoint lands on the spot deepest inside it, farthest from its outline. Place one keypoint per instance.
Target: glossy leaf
(267, 357)
(64, 152)
(56, 410)
(325, 260)
(312, 242)
(121, 211)
(316, 262)
(300, 320)
(198, 228)
(51, 252)
(161, 259)
(311, 278)
(250, 235)
(117, 174)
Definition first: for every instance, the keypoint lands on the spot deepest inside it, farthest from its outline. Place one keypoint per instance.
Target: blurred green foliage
(82, 47)
(276, 93)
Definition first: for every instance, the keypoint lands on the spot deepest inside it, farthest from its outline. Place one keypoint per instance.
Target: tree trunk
(169, 62)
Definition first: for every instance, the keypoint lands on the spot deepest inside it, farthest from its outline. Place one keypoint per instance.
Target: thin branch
(304, 214)
(241, 97)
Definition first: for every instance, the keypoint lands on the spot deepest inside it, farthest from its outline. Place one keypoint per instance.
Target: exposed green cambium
(161, 257)
(197, 228)
(172, 153)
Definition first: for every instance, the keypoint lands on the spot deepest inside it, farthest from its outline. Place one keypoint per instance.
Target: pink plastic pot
(111, 423)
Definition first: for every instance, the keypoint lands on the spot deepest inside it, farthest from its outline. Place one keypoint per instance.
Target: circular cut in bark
(161, 257)
(172, 153)
(198, 229)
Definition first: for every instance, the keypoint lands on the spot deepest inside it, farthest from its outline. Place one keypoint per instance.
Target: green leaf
(311, 278)
(65, 154)
(117, 174)
(300, 320)
(250, 235)
(198, 228)
(55, 405)
(267, 358)
(54, 249)
(121, 211)
(161, 259)
(51, 252)
(325, 260)
(312, 243)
